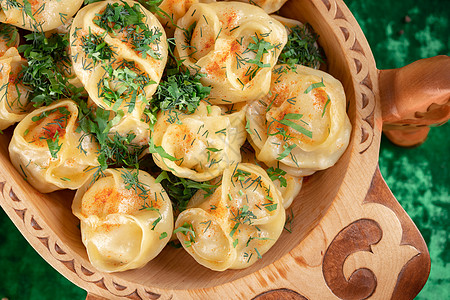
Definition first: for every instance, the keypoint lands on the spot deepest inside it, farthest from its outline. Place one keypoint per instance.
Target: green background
(419, 177)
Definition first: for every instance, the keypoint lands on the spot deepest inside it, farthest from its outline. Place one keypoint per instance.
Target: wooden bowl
(350, 238)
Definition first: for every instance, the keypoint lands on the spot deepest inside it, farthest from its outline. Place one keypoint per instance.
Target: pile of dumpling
(263, 127)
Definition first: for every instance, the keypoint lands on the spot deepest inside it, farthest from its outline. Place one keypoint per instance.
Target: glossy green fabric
(419, 177)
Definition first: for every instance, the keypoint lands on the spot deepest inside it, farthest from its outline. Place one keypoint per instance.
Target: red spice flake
(319, 98)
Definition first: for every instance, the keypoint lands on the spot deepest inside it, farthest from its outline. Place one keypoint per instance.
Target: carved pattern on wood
(285, 294)
(57, 249)
(362, 76)
(361, 249)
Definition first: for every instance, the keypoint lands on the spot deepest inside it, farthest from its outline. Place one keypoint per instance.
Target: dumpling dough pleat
(175, 9)
(14, 105)
(126, 219)
(46, 149)
(288, 185)
(9, 37)
(235, 44)
(269, 6)
(203, 143)
(47, 14)
(237, 224)
(303, 125)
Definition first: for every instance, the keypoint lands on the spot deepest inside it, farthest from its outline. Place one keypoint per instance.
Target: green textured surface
(419, 178)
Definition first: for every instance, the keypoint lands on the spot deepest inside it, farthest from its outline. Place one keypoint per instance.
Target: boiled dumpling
(201, 144)
(49, 152)
(237, 224)
(126, 219)
(235, 44)
(14, 105)
(302, 126)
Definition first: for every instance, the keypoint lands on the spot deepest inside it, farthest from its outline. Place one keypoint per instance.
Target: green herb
(271, 207)
(96, 48)
(207, 223)
(287, 151)
(235, 242)
(181, 91)
(257, 252)
(181, 190)
(247, 127)
(326, 104)
(286, 121)
(156, 223)
(131, 180)
(53, 145)
(259, 47)
(9, 34)
(188, 230)
(163, 235)
(300, 48)
(277, 174)
(314, 86)
(45, 72)
(289, 220)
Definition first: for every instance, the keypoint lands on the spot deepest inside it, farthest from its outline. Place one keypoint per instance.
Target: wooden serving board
(350, 238)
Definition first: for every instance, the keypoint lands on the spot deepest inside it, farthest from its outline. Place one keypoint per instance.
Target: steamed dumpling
(235, 44)
(237, 224)
(302, 126)
(126, 219)
(48, 151)
(202, 144)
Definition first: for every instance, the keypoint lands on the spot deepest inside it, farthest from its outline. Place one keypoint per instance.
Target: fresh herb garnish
(181, 190)
(300, 48)
(181, 91)
(48, 61)
(188, 230)
(277, 174)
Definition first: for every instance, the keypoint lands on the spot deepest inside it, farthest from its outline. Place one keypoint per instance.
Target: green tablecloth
(419, 177)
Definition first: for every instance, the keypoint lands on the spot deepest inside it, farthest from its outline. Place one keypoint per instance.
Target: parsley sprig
(45, 72)
(181, 190)
(181, 91)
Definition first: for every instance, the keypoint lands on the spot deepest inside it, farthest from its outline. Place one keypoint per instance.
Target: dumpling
(302, 125)
(201, 144)
(269, 6)
(38, 15)
(237, 224)
(14, 105)
(126, 219)
(175, 9)
(235, 44)
(9, 37)
(119, 51)
(48, 151)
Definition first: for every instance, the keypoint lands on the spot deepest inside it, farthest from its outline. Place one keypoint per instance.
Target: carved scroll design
(36, 228)
(361, 75)
(362, 283)
(364, 249)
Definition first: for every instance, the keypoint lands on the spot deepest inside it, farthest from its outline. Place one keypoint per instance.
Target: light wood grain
(350, 238)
